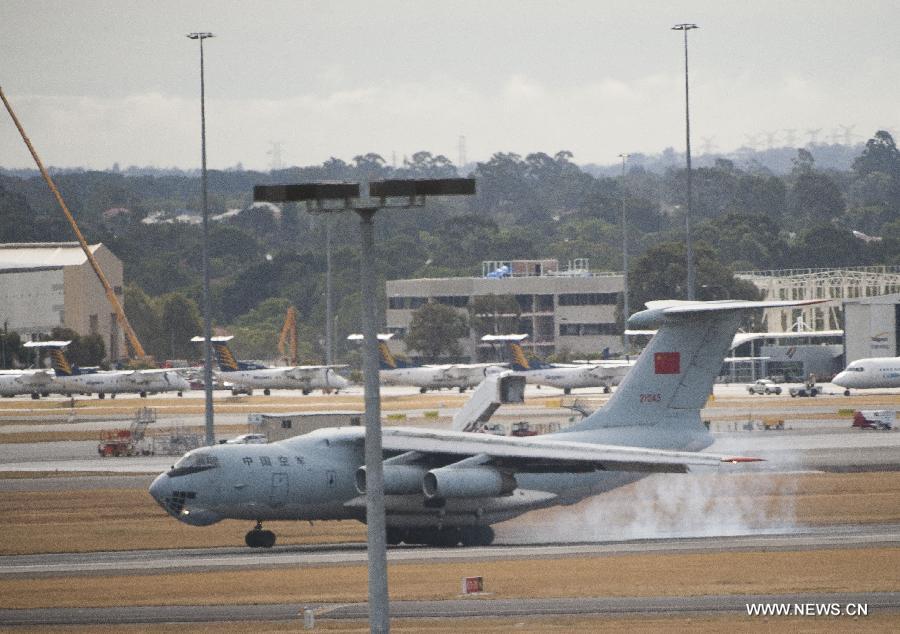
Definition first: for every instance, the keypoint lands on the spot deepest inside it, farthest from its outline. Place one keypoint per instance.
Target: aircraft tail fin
(673, 377)
(224, 357)
(61, 365)
(386, 359)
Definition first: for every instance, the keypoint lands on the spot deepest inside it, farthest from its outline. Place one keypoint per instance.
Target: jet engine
(399, 479)
(475, 482)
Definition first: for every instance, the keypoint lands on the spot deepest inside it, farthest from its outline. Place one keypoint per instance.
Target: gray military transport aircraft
(445, 487)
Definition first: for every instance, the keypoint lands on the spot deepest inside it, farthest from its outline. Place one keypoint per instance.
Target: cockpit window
(194, 462)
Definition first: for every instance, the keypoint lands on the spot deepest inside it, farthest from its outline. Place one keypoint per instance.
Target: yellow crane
(289, 336)
(137, 350)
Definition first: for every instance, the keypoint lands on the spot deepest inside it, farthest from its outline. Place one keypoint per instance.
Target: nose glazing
(159, 488)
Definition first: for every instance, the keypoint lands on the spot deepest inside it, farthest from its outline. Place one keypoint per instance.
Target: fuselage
(870, 373)
(286, 379)
(433, 377)
(567, 377)
(313, 477)
(118, 382)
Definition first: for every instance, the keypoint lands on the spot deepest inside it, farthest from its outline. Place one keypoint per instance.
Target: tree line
(265, 258)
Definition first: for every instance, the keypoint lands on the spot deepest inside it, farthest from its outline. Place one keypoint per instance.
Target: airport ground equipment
(874, 419)
(807, 389)
(129, 442)
(137, 350)
(495, 390)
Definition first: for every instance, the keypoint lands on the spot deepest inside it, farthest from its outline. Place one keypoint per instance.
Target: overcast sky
(103, 82)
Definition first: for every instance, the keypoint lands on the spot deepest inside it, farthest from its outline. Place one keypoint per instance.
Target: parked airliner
(245, 376)
(603, 373)
(69, 379)
(394, 371)
(869, 373)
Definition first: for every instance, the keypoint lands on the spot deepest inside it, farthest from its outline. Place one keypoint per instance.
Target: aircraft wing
(537, 454)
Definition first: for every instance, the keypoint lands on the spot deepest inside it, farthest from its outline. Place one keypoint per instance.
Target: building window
(457, 301)
(588, 299)
(286, 423)
(588, 330)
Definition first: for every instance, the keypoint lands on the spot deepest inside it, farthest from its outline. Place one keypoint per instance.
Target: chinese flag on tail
(667, 362)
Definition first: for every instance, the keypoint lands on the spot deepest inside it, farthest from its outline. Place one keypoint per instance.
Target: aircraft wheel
(267, 392)
(477, 535)
(142, 395)
(846, 392)
(112, 396)
(180, 393)
(567, 390)
(422, 390)
(101, 396)
(267, 539)
(306, 392)
(606, 389)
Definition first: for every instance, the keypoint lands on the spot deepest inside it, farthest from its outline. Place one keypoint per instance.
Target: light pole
(625, 307)
(687, 126)
(207, 310)
(381, 195)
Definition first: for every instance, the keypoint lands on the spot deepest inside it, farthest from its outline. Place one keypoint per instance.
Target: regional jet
(869, 373)
(394, 371)
(446, 487)
(71, 379)
(603, 374)
(245, 376)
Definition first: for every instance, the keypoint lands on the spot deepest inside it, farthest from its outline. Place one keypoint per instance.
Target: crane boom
(289, 335)
(137, 349)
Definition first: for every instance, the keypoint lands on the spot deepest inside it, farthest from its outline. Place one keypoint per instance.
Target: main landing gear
(259, 538)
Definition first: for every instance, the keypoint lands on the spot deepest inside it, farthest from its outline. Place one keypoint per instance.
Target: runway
(475, 607)
(223, 559)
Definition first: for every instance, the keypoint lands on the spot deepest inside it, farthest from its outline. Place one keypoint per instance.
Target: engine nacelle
(399, 479)
(474, 482)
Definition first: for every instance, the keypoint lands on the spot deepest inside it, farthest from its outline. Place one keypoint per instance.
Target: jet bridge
(497, 389)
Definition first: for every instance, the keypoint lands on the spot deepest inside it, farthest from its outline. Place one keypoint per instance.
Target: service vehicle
(764, 386)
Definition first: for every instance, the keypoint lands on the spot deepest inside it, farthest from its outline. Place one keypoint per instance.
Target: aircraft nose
(160, 489)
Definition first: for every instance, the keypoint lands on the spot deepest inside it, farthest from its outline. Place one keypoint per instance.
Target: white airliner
(246, 377)
(869, 373)
(446, 487)
(603, 374)
(393, 371)
(70, 379)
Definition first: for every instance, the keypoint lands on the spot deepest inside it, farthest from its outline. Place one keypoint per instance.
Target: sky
(97, 83)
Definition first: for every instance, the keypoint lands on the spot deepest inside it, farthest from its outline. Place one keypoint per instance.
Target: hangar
(872, 327)
(48, 284)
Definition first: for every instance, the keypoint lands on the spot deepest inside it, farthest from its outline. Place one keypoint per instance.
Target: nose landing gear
(259, 538)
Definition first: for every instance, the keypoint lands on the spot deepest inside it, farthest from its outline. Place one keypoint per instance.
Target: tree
(661, 273)
(436, 329)
(880, 155)
(88, 350)
(12, 354)
(181, 321)
(494, 315)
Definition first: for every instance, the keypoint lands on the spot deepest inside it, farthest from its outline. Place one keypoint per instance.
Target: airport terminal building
(567, 308)
(48, 284)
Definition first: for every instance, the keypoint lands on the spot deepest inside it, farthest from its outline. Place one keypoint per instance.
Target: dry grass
(670, 574)
(126, 519)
